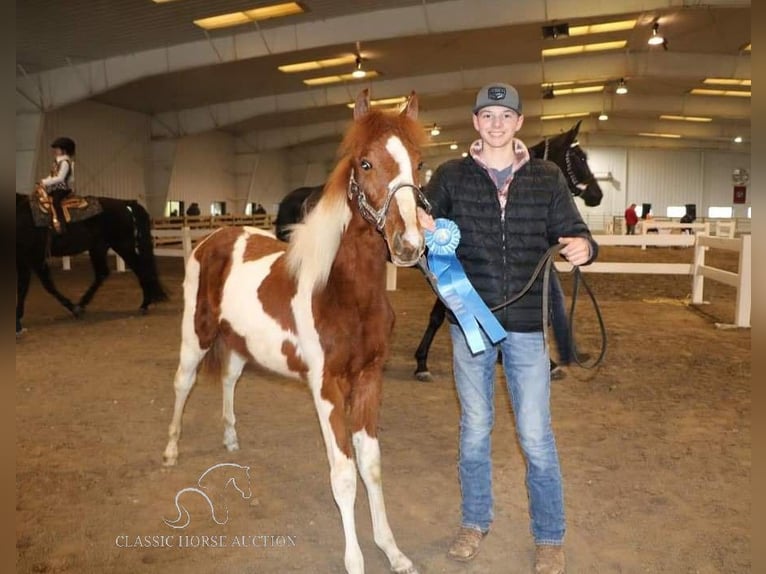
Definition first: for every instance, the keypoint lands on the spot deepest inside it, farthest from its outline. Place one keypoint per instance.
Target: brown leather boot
(549, 559)
(465, 546)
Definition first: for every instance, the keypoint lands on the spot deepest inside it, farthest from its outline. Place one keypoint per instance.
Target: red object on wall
(740, 194)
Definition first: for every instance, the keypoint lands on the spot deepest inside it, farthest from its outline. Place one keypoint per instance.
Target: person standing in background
(631, 219)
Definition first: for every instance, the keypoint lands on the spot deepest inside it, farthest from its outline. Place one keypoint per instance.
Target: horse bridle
(573, 179)
(378, 217)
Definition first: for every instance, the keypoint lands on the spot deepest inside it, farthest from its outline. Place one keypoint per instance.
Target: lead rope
(544, 266)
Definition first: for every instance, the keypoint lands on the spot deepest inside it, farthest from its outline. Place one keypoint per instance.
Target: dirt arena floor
(655, 443)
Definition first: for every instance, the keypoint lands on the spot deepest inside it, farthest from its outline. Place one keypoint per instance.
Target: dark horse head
(562, 149)
(565, 151)
(294, 207)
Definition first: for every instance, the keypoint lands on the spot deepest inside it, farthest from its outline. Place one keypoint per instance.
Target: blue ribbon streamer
(456, 291)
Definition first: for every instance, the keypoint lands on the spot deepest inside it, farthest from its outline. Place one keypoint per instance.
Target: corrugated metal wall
(203, 171)
(718, 189)
(111, 145)
(261, 177)
(664, 178)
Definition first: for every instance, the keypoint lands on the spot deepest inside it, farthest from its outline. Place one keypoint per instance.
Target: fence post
(698, 280)
(186, 242)
(390, 277)
(644, 231)
(742, 310)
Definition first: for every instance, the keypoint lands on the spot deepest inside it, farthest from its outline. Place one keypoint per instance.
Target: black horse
(294, 207)
(123, 226)
(562, 149)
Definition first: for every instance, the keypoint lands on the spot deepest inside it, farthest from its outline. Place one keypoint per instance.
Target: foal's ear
(411, 107)
(362, 104)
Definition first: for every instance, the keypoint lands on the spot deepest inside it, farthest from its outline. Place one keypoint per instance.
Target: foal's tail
(145, 251)
(216, 359)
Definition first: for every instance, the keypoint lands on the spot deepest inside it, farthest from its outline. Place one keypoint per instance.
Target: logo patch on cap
(496, 93)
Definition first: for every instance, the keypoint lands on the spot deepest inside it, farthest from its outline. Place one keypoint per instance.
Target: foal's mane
(314, 243)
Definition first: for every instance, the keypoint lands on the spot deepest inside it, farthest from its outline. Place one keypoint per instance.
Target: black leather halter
(574, 181)
(378, 217)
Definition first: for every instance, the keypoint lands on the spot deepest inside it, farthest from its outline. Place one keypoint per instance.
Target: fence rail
(697, 269)
(260, 220)
(168, 236)
(720, 227)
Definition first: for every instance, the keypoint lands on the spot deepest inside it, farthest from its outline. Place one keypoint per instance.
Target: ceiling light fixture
(577, 90)
(335, 79)
(555, 30)
(562, 116)
(359, 71)
(603, 28)
(602, 117)
(656, 38)
(728, 81)
(453, 146)
(584, 48)
(685, 118)
(659, 135)
(250, 16)
(731, 93)
(621, 89)
(738, 139)
(395, 101)
(317, 64)
(435, 131)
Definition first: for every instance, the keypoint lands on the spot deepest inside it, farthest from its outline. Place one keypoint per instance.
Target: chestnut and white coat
(316, 308)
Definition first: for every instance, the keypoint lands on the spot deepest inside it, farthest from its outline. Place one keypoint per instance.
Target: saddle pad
(76, 208)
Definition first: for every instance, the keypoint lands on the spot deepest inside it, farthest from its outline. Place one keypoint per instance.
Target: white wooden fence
(170, 241)
(179, 242)
(740, 280)
(696, 269)
(718, 227)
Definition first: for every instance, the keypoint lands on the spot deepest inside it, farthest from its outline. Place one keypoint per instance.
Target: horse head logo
(233, 474)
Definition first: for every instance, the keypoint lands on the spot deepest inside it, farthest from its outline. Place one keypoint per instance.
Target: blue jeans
(559, 320)
(527, 374)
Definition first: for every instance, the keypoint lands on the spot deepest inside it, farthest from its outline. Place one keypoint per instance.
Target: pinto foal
(316, 308)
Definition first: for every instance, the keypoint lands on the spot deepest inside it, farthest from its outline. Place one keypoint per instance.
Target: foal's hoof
(78, 311)
(144, 310)
(424, 376)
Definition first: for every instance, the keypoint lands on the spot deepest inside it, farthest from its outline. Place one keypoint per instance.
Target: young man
(59, 184)
(510, 209)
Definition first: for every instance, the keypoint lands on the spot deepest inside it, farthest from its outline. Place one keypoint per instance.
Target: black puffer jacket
(499, 256)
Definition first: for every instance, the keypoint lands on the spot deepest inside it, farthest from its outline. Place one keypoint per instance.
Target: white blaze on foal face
(404, 198)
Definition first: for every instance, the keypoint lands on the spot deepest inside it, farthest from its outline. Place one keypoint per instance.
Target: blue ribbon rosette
(456, 291)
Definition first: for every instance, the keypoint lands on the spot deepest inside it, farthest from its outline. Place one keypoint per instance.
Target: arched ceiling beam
(55, 88)
(195, 120)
